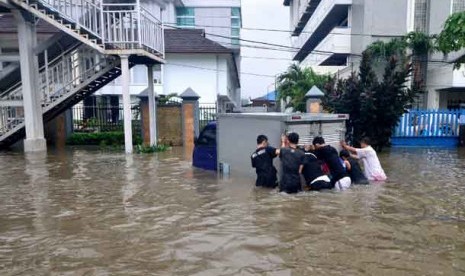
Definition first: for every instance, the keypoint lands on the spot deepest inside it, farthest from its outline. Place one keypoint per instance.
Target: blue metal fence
(428, 128)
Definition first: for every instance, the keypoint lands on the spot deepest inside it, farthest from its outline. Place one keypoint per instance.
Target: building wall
(372, 20)
(206, 74)
(214, 16)
(218, 17)
(440, 10)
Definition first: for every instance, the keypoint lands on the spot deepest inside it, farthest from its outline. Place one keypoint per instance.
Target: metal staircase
(106, 27)
(69, 79)
(93, 32)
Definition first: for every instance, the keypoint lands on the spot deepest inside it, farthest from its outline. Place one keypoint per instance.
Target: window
(185, 17)
(207, 137)
(458, 6)
(421, 16)
(235, 25)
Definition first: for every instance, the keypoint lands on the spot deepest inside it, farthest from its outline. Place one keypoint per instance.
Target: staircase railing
(115, 25)
(59, 80)
(85, 14)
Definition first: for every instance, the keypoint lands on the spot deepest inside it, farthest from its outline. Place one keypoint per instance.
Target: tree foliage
(452, 37)
(296, 82)
(374, 103)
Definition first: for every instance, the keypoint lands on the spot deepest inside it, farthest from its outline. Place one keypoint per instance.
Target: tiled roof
(191, 41)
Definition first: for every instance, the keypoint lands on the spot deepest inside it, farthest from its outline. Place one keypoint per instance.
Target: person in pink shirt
(372, 167)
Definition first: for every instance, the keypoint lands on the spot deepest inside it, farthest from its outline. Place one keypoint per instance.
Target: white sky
(265, 14)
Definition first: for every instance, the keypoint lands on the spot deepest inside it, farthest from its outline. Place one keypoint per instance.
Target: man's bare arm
(349, 148)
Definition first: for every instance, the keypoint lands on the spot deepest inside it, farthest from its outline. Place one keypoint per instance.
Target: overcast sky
(264, 14)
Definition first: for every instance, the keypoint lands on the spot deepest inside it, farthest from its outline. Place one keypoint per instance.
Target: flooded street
(88, 212)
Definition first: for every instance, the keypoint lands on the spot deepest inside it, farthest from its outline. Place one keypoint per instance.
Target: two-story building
(202, 52)
(54, 54)
(332, 34)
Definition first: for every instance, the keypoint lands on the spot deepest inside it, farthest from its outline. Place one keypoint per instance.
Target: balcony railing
(130, 26)
(114, 25)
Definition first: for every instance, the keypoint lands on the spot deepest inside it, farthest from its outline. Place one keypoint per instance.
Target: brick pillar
(190, 116)
(145, 118)
(58, 129)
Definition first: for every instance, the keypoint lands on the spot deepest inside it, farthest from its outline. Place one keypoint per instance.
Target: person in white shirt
(372, 166)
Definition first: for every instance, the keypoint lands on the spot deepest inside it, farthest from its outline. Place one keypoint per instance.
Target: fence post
(190, 116)
(148, 119)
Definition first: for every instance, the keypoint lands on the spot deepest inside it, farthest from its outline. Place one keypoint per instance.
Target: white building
(332, 34)
(53, 56)
(204, 56)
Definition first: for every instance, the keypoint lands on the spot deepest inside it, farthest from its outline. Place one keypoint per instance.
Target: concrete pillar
(152, 107)
(29, 77)
(433, 98)
(126, 104)
(1, 63)
(190, 116)
(313, 100)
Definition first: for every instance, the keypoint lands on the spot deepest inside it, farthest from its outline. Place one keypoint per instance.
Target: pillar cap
(314, 93)
(189, 94)
(145, 94)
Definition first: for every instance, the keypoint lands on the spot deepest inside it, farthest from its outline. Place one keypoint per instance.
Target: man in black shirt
(262, 161)
(314, 177)
(340, 179)
(353, 169)
(292, 160)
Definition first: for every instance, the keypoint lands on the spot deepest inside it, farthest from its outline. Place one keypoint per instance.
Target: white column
(126, 104)
(31, 94)
(152, 107)
(1, 63)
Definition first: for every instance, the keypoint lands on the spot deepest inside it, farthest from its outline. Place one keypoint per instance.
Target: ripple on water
(87, 212)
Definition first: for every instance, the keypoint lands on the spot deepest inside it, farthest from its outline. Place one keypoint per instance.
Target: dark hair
(365, 140)
(344, 153)
(261, 138)
(318, 140)
(293, 138)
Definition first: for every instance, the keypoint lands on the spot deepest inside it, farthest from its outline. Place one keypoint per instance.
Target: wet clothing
(262, 161)
(356, 174)
(313, 173)
(291, 160)
(330, 156)
(373, 169)
(343, 183)
(321, 183)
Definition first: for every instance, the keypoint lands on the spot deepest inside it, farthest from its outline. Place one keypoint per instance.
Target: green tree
(296, 82)
(374, 103)
(452, 37)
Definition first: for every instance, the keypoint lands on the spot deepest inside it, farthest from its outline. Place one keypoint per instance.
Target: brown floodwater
(91, 212)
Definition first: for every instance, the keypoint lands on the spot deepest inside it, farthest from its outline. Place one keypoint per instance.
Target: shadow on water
(83, 211)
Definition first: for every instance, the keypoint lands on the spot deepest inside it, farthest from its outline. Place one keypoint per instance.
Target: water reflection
(89, 212)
